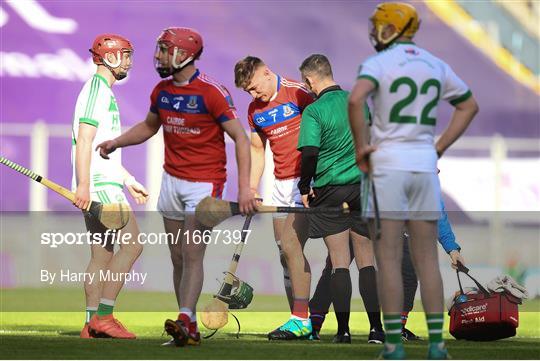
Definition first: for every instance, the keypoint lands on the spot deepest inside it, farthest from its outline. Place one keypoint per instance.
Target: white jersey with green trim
(96, 106)
(409, 84)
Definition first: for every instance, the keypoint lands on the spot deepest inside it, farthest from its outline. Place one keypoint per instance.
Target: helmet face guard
(176, 41)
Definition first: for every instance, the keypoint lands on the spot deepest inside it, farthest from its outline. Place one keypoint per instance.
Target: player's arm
(461, 118)
(136, 189)
(447, 239)
(257, 151)
(358, 122)
(308, 168)
(246, 199)
(457, 93)
(137, 134)
(83, 156)
(309, 142)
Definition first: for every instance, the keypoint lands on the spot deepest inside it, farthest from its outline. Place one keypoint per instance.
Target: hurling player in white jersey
(96, 119)
(406, 82)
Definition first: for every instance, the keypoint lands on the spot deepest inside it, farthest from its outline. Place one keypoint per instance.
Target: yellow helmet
(402, 16)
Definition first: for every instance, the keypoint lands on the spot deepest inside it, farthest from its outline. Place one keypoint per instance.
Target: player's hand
(82, 196)
(247, 201)
(257, 196)
(362, 157)
(106, 148)
(137, 190)
(307, 197)
(455, 256)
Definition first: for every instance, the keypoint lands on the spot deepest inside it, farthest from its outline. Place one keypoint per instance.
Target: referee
(328, 158)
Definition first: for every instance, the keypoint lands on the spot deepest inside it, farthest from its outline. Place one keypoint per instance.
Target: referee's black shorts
(327, 224)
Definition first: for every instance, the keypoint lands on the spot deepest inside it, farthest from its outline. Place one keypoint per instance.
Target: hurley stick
(112, 215)
(211, 211)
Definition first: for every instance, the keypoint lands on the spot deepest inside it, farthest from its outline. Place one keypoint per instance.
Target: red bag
(483, 316)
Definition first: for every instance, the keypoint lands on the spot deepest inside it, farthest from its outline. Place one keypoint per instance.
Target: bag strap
(463, 269)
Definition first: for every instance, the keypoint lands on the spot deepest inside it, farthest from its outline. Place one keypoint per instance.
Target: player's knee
(100, 260)
(176, 258)
(364, 243)
(290, 250)
(192, 257)
(138, 249)
(133, 249)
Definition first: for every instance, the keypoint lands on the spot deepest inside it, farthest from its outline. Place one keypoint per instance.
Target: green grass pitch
(43, 334)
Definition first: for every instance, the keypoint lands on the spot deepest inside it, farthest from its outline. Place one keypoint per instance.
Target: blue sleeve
(446, 236)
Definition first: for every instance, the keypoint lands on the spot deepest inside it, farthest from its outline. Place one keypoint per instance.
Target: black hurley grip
(310, 210)
(235, 208)
(19, 168)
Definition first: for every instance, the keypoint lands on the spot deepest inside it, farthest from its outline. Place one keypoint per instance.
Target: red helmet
(109, 43)
(185, 39)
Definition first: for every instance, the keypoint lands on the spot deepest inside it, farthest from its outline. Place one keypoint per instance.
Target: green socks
(392, 328)
(435, 324)
(90, 311)
(105, 307)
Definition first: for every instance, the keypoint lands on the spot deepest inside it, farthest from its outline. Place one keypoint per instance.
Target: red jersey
(191, 115)
(279, 121)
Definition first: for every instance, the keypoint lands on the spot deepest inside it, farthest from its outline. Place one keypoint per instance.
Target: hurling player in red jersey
(194, 111)
(274, 115)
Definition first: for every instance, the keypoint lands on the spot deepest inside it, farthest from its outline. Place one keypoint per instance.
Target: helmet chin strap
(175, 67)
(182, 64)
(112, 66)
(117, 76)
(383, 44)
(388, 41)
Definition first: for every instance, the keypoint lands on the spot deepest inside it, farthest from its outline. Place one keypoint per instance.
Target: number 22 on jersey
(410, 84)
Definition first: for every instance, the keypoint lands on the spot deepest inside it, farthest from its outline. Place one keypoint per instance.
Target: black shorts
(327, 224)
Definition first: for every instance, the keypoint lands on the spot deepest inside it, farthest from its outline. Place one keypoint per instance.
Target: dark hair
(244, 69)
(317, 64)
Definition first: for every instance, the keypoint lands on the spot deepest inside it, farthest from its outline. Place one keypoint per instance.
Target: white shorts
(108, 194)
(403, 195)
(286, 194)
(178, 196)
